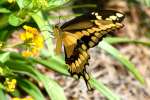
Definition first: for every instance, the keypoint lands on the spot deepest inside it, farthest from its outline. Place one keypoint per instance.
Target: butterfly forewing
(87, 19)
(84, 32)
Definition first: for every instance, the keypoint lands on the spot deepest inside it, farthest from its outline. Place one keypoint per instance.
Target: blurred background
(133, 41)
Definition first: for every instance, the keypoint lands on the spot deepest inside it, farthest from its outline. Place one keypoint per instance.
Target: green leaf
(20, 3)
(14, 20)
(2, 95)
(145, 2)
(30, 88)
(54, 63)
(3, 35)
(103, 89)
(4, 23)
(52, 88)
(114, 40)
(16, 93)
(2, 2)
(56, 3)
(21, 67)
(127, 64)
(4, 57)
(45, 28)
(27, 3)
(4, 10)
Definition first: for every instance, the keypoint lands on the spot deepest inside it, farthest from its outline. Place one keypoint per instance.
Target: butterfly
(82, 33)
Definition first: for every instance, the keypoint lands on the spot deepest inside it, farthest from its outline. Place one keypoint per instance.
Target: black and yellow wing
(84, 32)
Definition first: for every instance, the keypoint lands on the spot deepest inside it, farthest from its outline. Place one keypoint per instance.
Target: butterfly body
(84, 32)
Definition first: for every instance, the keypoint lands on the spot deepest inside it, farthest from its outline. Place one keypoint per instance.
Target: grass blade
(103, 89)
(114, 40)
(31, 89)
(53, 89)
(4, 57)
(127, 64)
(54, 63)
(2, 95)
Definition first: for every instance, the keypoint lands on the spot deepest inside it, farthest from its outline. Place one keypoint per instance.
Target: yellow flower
(10, 84)
(27, 53)
(41, 3)
(26, 98)
(11, 1)
(16, 98)
(38, 42)
(26, 36)
(33, 41)
(31, 30)
(1, 44)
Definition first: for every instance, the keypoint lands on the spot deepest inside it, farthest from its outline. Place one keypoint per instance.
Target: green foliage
(4, 57)
(30, 88)
(141, 2)
(4, 10)
(115, 53)
(145, 2)
(14, 20)
(2, 95)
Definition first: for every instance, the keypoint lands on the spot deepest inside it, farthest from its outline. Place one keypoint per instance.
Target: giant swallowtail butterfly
(82, 33)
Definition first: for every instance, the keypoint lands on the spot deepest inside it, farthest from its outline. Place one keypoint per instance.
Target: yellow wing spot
(109, 29)
(90, 30)
(109, 26)
(119, 15)
(113, 28)
(112, 25)
(81, 57)
(103, 32)
(76, 62)
(91, 44)
(96, 29)
(99, 17)
(109, 19)
(77, 66)
(84, 53)
(85, 33)
(98, 35)
(94, 39)
(79, 61)
(93, 13)
(84, 47)
(73, 67)
(118, 25)
(79, 34)
(113, 17)
(96, 14)
(102, 27)
(97, 23)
